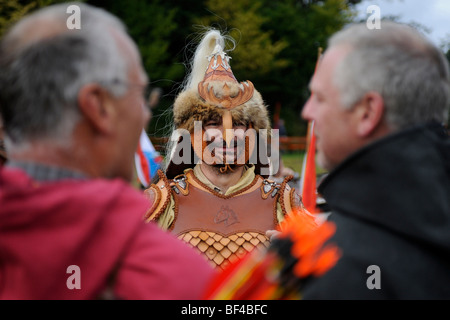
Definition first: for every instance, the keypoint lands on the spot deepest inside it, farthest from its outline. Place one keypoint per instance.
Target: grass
(294, 160)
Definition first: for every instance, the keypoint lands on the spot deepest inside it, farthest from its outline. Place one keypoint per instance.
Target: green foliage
(255, 54)
(151, 25)
(306, 26)
(12, 10)
(294, 161)
(277, 43)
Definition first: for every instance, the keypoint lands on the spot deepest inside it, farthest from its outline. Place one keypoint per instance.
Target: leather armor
(223, 228)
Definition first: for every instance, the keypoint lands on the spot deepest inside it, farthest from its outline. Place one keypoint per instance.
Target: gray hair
(44, 64)
(410, 73)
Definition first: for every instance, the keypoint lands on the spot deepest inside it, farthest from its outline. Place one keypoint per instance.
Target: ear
(370, 113)
(96, 105)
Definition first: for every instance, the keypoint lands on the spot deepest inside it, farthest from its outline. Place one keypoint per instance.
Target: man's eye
(240, 125)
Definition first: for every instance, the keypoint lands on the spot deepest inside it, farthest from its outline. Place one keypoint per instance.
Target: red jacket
(96, 225)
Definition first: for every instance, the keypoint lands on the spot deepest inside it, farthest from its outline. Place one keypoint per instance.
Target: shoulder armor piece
(289, 197)
(269, 188)
(180, 184)
(159, 195)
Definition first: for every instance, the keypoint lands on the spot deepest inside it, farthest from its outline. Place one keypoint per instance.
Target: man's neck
(44, 172)
(222, 180)
(53, 156)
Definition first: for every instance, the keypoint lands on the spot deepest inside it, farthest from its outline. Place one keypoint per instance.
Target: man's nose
(306, 112)
(227, 127)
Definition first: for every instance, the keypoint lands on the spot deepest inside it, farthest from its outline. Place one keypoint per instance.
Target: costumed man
(215, 194)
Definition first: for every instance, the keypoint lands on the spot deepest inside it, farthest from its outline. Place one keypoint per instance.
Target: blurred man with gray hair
(73, 106)
(380, 102)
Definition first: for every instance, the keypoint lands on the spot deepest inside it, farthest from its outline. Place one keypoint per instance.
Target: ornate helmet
(212, 92)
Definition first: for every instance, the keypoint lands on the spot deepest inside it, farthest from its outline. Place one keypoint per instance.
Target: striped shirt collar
(44, 172)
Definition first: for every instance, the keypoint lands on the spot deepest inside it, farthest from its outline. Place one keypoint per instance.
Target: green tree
(151, 25)
(306, 26)
(12, 10)
(256, 53)
(277, 43)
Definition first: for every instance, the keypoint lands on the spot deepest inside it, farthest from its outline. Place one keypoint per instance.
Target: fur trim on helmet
(190, 107)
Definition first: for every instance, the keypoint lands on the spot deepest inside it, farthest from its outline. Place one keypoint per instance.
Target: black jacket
(390, 202)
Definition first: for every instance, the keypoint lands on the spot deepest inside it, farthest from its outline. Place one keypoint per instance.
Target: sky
(432, 14)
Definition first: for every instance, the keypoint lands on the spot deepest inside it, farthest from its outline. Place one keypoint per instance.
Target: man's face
(216, 146)
(132, 113)
(333, 125)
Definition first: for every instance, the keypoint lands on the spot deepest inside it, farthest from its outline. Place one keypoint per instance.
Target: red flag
(308, 186)
(308, 180)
